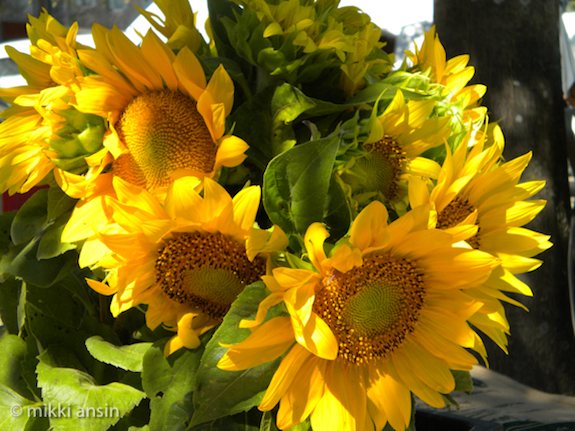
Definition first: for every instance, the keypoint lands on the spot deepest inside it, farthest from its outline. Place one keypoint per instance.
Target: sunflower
(454, 74)
(475, 188)
(163, 119)
(34, 140)
(186, 257)
(382, 316)
(382, 165)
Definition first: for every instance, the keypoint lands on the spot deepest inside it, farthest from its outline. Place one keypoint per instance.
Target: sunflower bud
(79, 135)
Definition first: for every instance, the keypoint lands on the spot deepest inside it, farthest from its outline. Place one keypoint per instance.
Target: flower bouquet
(273, 227)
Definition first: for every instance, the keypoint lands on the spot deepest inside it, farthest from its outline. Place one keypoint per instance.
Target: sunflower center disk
(372, 308)
(454, 213)
(205, 270)
(379, 170)
(164, 133)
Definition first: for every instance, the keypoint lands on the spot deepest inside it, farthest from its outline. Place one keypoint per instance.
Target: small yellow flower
(382, 316)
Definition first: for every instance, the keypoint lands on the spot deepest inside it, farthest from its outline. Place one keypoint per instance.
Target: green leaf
(13, 351)
(287, 104)
(224, 393)
(268, 422)
(256, 111)
(63, 317)
(297, 183)
(59, 204)
(128, 357)
(50, 244)
(218, 11)
(463, 381)
(304, 426)
(30, 219)
(338, 215)
(9, 302)
(169, 382)
(245, 421)
(84, 405)
(16, 412)
(44, 273)
(38, 227)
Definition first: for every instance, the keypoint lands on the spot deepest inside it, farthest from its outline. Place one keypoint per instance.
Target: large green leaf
(129, 357)
(287, 104)
(224, 393)
(297, 183)
(169, 383)
(84, 405)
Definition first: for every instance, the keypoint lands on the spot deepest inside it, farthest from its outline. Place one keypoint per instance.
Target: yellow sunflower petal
(190, 73)
(188, 336)
(130, 59)
(330, 414)
(315, 236)
(265, 344)
(284, 376)
(263, 308)
(370, 226)
(173, 345)
(101, 288)
(160, 57)
(221, 89)
(393, 398)
(345, 258)
(316, 337)
(231, 151)
(263, 241)
(420, 389)
(246, 204)
(217, 202)
(300, 399)
(182, 198)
